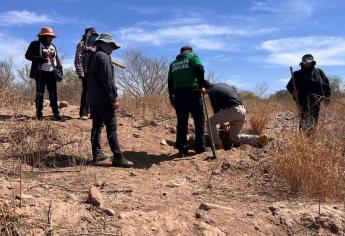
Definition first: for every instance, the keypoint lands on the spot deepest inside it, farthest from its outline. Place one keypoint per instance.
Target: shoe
(263, 139)
(218, 146)
(99, 157)
(182, 154)
(122, 162)
(58, 117)
(202, 150)
(84, 117)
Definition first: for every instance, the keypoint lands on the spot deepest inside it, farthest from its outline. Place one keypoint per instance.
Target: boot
(58, 117)
(99, 157)
(121, 161)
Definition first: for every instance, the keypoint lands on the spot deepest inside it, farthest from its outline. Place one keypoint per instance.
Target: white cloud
(288, 9)
(206, 36)
(24, 17)
(13, 48)
(327, 50)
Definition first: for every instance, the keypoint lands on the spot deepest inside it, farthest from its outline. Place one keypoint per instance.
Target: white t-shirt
(49, 53)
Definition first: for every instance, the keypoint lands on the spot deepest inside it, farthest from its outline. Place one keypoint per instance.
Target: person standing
(186, 74)
(228, 108)
(85, 49)
(45, 59)
(102, 98)
(311, 87)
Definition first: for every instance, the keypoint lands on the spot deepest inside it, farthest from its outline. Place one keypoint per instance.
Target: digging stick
(213, 148)
(122, 66)
(295, 89)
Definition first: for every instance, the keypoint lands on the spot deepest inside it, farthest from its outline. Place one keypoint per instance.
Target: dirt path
(162, 195)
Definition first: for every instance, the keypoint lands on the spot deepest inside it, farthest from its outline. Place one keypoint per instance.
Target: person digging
(228, 108)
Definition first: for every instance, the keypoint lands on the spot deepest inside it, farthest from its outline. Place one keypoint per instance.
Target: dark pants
(104, 114)
(187, 102)
(309, 118)
(84, 108)
(46, 78)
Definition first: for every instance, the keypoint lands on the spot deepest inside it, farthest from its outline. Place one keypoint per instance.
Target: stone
(136, 135)
(24, 196)
(46, 103)
(207, 206)
(95, 197)
(164, 142)
(109, 211)
(63, 104)
(172, 130)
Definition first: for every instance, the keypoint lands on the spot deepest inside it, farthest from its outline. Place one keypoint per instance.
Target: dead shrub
(259, 115)
(8, 220)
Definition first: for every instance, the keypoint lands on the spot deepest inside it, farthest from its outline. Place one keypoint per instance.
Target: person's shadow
(143, 160)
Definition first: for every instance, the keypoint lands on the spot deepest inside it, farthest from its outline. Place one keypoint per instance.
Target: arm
(198, 70)
(78, 61)
(170, 84)
(32, 53)
(325, 84)
(214, 102)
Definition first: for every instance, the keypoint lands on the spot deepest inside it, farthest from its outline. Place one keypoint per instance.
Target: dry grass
(8, 220)
(260, 114)
(314, 167)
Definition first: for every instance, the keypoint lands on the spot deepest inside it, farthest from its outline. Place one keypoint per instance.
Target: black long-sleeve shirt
(100, 79)
(223, 96)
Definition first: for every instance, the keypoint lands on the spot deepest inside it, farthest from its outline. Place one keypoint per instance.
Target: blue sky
(245, 43)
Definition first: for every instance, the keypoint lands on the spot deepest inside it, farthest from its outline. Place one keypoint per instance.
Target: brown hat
(47, 31)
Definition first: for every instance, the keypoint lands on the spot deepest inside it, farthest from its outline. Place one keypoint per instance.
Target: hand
(59, 68)
(116, 105)
(203, 91)
(43, 60)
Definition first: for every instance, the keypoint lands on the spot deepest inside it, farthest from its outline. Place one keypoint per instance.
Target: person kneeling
(227, 107)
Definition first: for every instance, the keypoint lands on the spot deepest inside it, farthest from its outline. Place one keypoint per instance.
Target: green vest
(181, 71)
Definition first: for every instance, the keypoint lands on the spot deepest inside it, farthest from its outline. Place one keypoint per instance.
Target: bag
(58, 75)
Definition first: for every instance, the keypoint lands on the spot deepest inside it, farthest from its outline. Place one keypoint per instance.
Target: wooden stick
(118, 64)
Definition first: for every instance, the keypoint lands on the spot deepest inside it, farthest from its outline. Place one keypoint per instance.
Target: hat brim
(47, 34)
(108, 42)
(307, 62)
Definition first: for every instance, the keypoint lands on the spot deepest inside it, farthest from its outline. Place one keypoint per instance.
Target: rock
(164, 142)
(273, 210)
(63, 104)
(136, 135)
(95, 197)
(172, 130)
(24, 196)
(328, 223)
(120, 124)
(109, 211)
(129, 114)
(46, 103)
(250, 214)
(207, 206)
(208, 230)
(154, 123)
(198, 215)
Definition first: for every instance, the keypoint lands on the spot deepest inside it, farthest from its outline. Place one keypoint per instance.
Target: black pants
(309, 118)
(46, 78)
(104, 114)
(187, 102)
(84, 108)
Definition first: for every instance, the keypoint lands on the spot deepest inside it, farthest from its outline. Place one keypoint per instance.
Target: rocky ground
(162, 194)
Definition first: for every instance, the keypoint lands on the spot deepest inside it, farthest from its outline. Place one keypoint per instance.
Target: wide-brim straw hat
(106, 38)
(47, 31)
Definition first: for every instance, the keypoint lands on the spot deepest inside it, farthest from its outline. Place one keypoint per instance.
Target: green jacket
(185, 72)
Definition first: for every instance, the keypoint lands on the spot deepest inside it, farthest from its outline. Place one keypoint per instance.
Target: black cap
(91, 30)
(185, 48)
(307, 58)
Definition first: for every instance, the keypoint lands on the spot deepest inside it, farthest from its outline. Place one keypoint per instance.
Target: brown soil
(162, 194)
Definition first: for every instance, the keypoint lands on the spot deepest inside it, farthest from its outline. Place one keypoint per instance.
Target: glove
(59, 68)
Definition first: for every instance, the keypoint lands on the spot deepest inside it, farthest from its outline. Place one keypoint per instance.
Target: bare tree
(143, 75)
(24, 75)
(6, 74)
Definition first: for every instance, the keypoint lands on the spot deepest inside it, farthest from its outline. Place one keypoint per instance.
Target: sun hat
(47, 31)
(106, 38)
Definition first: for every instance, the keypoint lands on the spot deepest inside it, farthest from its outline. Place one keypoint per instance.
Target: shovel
(213, 148)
